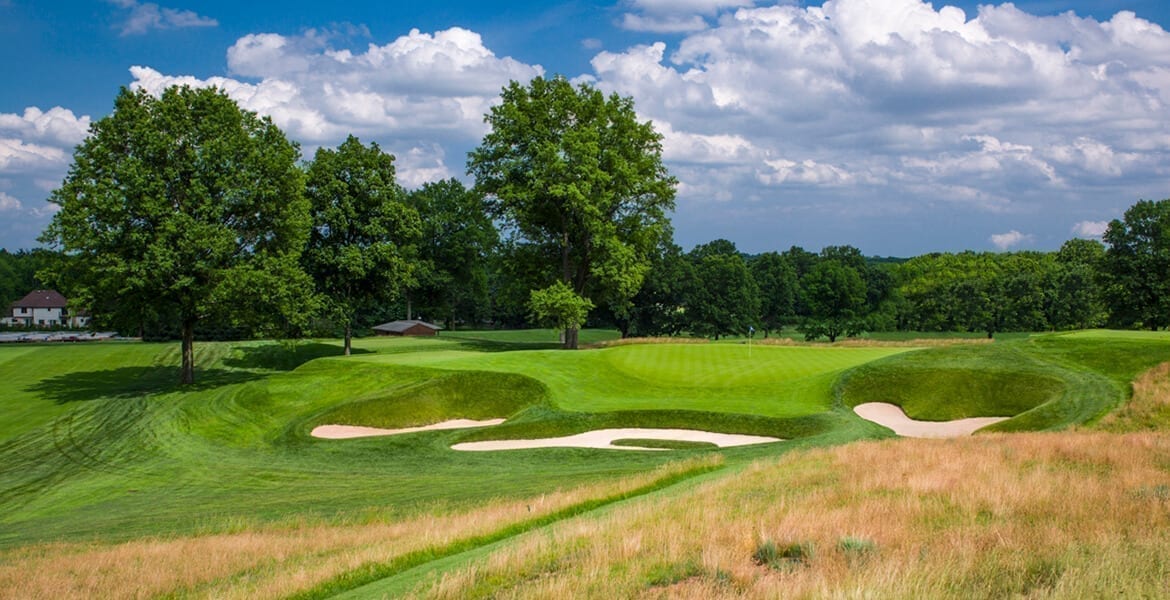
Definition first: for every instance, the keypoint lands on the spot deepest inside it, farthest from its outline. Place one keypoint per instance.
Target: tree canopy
(458, 237)
(575, 174)
(1137, 264)
(183, 207)
(361, 248)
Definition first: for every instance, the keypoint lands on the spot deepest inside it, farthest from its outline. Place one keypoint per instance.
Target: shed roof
(400, 326)
(41, 299)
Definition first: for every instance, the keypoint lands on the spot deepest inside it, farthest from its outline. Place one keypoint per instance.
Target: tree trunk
(348, 337)
(408, 308)
(570, 339)
(187, 376)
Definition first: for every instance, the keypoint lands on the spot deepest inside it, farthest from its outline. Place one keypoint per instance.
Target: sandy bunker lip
(341, 432)
(892, 416)
(604, 438)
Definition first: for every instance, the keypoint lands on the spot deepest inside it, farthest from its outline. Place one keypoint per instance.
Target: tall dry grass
(1149, 407)
(868, 343)
(273, 562)
(1074, 515)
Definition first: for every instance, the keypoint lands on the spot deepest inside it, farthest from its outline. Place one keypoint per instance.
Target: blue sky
(898, 126)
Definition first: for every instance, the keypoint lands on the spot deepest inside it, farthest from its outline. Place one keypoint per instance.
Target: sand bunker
(603, 438)
(341, 432)
(892, 416)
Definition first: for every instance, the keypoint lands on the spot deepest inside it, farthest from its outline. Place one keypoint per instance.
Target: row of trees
(185, 209)
(715, 290)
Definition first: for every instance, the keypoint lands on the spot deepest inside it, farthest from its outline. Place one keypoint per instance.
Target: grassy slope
(104, 444)
(1045, 381)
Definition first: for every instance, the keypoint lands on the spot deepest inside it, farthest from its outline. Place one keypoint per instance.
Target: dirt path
(892, 416)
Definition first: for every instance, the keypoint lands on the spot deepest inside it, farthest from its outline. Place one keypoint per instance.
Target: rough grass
(1032, 515)
(631, 341)
(304, 558)
(1148, 409)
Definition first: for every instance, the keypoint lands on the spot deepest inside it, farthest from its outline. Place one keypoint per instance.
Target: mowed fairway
(107, 465)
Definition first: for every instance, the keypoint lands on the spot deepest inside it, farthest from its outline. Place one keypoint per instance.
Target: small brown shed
(411, 327)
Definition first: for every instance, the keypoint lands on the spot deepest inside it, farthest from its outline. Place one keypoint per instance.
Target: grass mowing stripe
(372, 572)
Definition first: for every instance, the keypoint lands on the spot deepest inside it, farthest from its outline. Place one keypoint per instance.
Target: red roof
(41, 299)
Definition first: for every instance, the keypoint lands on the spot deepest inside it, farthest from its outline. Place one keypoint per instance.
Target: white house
(43, 308)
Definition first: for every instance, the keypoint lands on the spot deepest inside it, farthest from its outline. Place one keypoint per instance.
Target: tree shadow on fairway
(132, 382)
(284, 357)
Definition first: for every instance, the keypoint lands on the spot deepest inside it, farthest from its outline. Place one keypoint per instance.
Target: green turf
(103, 443)
(774, 381)
(664, 444)
(1048, 381)
(97, 441)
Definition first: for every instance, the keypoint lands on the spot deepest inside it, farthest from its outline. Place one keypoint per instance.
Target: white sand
(892, 416)
(603, 438)
(341, 432)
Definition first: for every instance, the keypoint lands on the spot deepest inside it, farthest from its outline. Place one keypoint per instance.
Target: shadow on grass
(284, 357)
(132, 382)
(485, 345)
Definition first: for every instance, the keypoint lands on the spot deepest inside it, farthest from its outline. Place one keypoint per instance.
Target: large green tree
(183, 206)
(835, 295)
(721, 298)
(360, 252)
(776, 277)
(576, 174)
(1137, 266)
(458, 237)
(1074, 299)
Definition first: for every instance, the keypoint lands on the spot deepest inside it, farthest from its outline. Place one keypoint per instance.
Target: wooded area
(184, 215)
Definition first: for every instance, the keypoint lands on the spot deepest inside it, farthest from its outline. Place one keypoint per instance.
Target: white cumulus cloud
(899, 106)
(414, 95)
(1090, 229)
(1011, 239)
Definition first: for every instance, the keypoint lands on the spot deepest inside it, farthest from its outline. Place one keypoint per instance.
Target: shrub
(782, 557)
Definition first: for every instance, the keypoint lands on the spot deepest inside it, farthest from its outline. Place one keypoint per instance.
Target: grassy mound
(449, 395)
(1045, 382)
(665, 444)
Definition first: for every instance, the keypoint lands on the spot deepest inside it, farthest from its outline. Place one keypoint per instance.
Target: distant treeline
(18, 273)
(714, 290)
